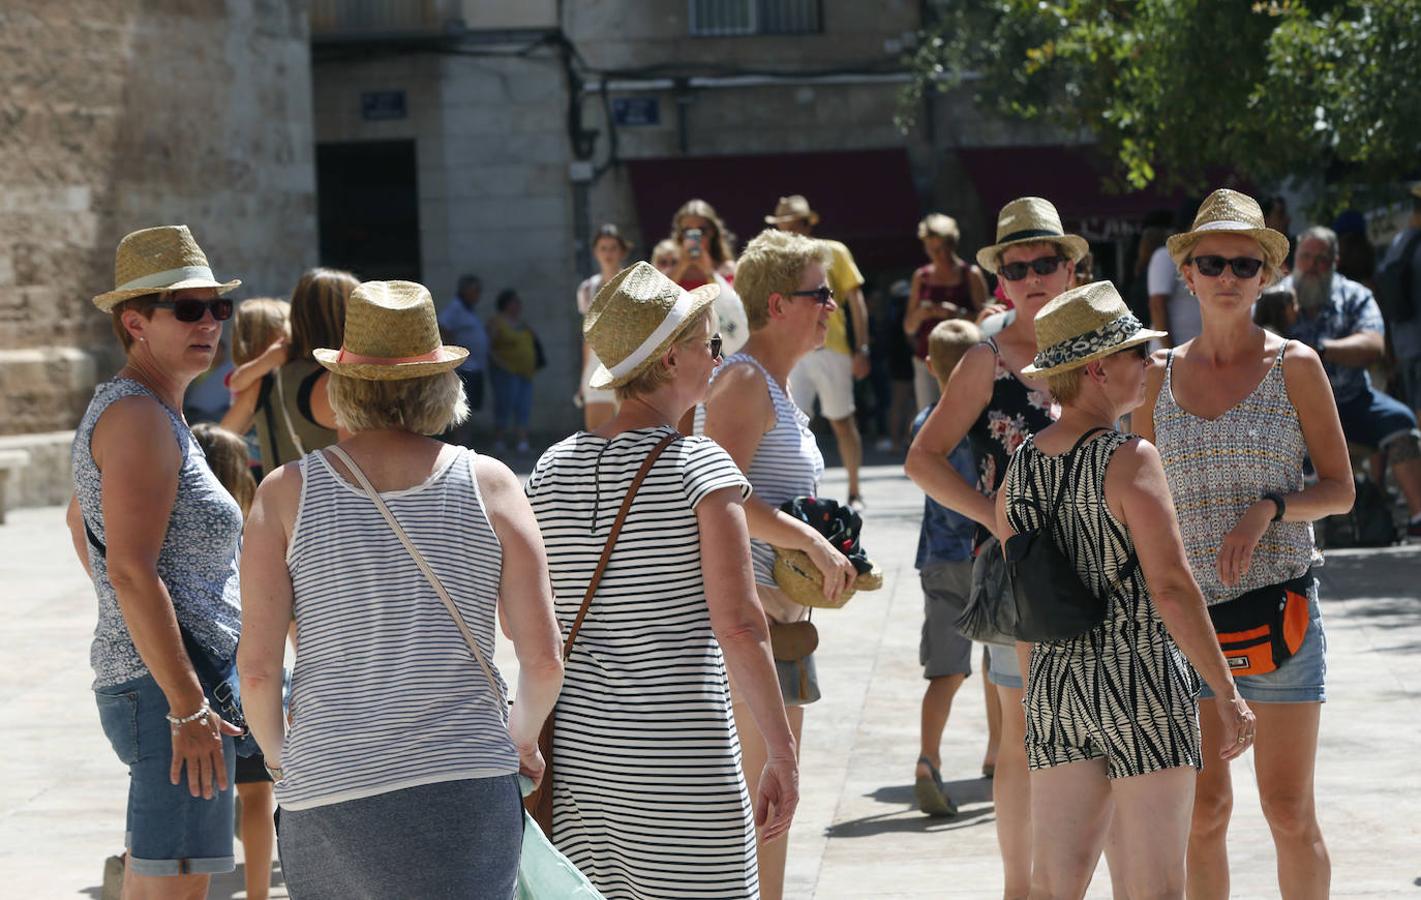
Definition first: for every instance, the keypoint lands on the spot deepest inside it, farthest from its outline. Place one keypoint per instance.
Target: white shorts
(594, 395)
(828, 375)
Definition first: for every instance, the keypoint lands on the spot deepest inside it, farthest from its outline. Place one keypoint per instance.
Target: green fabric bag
(543, 872)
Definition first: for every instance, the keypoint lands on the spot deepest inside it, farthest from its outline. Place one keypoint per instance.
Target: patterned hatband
(1083, 346)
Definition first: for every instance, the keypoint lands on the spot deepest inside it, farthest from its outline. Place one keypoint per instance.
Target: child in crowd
(666, 256)
(944, 564)
(513, 355)
(261, 331)
(256, 827)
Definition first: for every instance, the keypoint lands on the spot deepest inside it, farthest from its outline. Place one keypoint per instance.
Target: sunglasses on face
(1139, 351)
(1213, 266)
(821, 295)
(190, 310)
(1017, 271)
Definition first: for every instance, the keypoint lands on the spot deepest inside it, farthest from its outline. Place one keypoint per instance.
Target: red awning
(864, 198)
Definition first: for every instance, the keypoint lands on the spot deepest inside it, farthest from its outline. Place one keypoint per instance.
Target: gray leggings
(454, 839)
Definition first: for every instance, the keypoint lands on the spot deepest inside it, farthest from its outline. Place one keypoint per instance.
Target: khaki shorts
(828, 376)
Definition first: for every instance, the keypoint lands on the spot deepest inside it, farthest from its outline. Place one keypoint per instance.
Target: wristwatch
(1278, 502)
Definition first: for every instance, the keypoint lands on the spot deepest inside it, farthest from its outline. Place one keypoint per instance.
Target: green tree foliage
(1267, 89)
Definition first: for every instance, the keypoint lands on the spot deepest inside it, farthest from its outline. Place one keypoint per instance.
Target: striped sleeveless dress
(1219, 467)
(386, 695)
(787, 463)
(648, 796)
(1122, 691)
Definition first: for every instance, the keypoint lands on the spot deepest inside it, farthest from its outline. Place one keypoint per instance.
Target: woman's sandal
(932, 796)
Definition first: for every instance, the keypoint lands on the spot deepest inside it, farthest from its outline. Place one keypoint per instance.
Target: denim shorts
(1301, 679)
(169, 831)
(1373, 419)
(1003, 668)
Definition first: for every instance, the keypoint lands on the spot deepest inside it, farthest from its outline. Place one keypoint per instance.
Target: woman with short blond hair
(397, 776)
(945, 288)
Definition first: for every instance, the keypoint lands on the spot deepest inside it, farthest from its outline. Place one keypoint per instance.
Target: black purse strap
(1051, 512)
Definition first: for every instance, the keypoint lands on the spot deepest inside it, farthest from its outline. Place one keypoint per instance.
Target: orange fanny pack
(1264, 628)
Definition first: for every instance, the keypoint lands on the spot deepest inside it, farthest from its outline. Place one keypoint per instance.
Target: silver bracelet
(174, 722)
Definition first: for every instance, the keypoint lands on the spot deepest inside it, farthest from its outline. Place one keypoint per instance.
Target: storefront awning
(864, 198)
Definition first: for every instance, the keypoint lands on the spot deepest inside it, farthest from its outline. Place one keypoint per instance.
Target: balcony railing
(374, 20)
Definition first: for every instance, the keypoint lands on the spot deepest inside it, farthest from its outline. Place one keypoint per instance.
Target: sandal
(932, 796)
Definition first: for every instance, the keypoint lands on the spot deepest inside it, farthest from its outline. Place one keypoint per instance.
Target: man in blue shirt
(1340, 319)
(944, 565)
(460, 325)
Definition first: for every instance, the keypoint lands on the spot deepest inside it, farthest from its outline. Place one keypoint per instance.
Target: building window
(725, 18)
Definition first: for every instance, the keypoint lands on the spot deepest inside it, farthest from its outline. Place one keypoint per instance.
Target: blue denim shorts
(169, 831)
(1374, 419)
(1003, 668)
(1301, 679)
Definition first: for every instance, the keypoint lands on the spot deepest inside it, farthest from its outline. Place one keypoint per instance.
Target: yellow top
(511, 347)
(844, 278)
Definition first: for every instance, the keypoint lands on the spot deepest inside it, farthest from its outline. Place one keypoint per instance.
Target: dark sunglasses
(190, 310)
(1139, 351)
(1017, 271)
(821, 295)
(1213, 266)
(715, 344)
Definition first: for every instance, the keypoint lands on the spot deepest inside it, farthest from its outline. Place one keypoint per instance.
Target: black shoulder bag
(1052, 603)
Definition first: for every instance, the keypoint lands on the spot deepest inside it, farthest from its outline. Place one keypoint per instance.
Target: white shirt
(1182, 307)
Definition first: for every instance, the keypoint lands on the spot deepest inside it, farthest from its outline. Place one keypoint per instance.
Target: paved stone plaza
(857, 834)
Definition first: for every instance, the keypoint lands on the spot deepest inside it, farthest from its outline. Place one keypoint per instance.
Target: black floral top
(1014, 413)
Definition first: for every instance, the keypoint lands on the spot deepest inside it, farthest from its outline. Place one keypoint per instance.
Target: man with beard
(1340, 319)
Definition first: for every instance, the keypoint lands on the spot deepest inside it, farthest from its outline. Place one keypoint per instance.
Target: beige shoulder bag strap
(434, 581)
(291, 429)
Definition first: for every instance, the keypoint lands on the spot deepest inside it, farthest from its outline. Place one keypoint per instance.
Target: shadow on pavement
(1355, 575)
(968, 792)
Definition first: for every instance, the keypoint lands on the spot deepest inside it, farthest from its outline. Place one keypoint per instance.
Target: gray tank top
(198, 559)
(1219, 467)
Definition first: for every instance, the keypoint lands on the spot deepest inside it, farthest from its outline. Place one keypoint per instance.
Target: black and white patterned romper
(1123, 690)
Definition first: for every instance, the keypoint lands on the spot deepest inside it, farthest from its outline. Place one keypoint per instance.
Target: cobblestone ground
(857, 834)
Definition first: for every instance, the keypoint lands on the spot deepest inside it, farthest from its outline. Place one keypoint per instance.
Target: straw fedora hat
(165, 258)
(391, 333)
(1030, 220)
(792, 208)
(1235, 213)
(1084, 324)
(634, 318)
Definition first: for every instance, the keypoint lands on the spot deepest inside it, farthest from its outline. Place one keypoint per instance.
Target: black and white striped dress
(648, 796)
(1122, 691)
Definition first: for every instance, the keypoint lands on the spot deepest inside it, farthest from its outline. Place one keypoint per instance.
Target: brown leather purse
(540, 802)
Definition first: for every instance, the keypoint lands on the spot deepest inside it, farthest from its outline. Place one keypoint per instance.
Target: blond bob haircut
(948, 342)
(258, 323)
(429, 405)
(773, 263)
(657, 374)
(939, 226)
(227, 457)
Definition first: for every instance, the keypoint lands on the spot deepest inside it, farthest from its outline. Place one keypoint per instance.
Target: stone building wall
(118, 116)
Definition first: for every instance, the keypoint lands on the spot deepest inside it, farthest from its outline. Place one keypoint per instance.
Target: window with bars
(726, 18)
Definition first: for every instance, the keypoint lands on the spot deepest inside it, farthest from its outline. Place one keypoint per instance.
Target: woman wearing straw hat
(397, 777)
(997, 406)
(749, 412)
(648, 798)
(1235, 411)
(158, 534)
(1112, 724)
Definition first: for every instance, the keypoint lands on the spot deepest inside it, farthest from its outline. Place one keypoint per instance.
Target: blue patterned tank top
(1219, 467)
(198, 559)
(787, 463)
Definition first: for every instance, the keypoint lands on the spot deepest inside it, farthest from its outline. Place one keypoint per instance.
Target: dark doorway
(369, 209)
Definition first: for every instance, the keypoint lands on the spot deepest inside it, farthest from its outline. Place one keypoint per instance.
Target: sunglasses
(821, 295)
(1139, 351)
(1213, 266)
(190, 310)
(1017, 271)
(715, 344)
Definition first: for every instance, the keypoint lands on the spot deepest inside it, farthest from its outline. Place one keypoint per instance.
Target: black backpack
(1395, 283)
(1368, 524)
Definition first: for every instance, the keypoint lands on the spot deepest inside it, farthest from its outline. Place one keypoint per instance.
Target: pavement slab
(857, 833)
